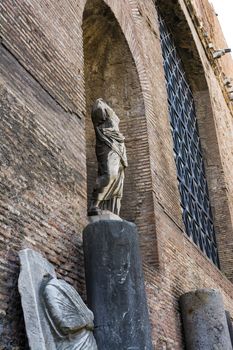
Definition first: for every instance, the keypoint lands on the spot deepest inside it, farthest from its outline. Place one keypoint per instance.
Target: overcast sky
(224, 9)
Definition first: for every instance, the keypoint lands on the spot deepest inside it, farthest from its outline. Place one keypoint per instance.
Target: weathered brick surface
(208, 17)
(42, 186)
(49, 50)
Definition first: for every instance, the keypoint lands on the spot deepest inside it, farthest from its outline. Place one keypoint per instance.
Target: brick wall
(42, 186)
(47, 140)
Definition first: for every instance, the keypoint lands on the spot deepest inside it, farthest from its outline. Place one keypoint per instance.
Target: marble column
(230, 326)
(204, 320)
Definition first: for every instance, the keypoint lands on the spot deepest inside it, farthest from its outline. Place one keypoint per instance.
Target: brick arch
(127, 25)
(114, 70)
(192, 59)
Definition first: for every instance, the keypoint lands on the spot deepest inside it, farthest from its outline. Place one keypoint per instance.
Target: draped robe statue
(111, 157)
(70, 320)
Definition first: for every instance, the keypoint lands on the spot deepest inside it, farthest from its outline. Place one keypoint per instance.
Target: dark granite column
(115, 286)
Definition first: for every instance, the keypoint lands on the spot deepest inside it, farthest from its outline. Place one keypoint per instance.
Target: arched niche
(110, 73)
(183, 36)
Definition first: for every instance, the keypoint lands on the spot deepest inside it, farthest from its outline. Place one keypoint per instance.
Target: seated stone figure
(70, 320)
(111, 157)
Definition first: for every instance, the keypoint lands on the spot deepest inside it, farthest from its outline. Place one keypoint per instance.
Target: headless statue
(70, 320)
(111, 157)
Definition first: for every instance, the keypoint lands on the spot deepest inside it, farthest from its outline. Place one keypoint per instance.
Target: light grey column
(115, 286)
(230, 326)
(204, 321)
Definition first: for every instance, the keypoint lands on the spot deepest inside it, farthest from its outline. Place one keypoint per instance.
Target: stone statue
(70, 320)
(111, 157)
(55, 316)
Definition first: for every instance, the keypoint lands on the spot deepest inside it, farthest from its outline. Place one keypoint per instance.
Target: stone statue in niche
(111, 157)
(70, 320)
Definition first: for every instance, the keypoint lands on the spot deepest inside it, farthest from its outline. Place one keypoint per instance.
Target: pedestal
(204, 321)
(115, 286)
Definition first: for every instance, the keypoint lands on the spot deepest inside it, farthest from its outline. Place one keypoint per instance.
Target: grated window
(193, 188)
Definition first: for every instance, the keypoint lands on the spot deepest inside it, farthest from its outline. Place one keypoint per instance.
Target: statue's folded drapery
(82, 341)
(70, 319)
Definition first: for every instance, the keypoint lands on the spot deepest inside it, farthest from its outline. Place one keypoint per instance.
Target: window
(193, 188)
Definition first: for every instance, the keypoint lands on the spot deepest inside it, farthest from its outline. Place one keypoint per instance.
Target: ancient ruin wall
(43, 159)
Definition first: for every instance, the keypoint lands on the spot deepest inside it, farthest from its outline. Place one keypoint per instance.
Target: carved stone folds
(55, 316)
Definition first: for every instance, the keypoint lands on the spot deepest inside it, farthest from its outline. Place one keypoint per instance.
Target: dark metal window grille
(193, 189)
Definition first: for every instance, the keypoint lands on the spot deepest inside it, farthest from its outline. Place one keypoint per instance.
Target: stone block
(33, 268)
(103, 216)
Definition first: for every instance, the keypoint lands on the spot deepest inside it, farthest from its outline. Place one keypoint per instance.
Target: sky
(224, 9)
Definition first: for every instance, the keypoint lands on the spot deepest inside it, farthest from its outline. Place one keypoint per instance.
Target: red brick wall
(42, 186)
(43, 181)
